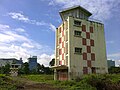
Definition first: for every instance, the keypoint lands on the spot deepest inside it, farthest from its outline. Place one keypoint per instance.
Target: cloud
(52, 27)
(18, 16)
(101, 9)
(15, 45)
(117, 63)
(110, 42)
(114, 55)
(4, 27)
(27, 45)
(23, 18)
(20, 29)
(45, 59)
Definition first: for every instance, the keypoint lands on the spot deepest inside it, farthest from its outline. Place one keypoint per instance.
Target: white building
(80, 45)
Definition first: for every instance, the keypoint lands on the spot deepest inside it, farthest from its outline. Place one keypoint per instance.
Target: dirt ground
(37, 86)
(25, 84)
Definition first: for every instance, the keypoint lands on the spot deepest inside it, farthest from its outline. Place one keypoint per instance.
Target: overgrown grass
(6, 83)
(39, 78)
(87, 82)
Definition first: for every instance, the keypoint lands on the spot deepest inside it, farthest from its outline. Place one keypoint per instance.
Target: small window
(77, 33)
(78, 50)
(78, 23)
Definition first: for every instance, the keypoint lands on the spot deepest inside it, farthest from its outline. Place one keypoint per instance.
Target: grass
(66, 85)
(87, 82)
(6, 83)
(39, 78)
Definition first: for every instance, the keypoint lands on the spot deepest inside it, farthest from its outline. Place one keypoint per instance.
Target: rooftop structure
(76, 12)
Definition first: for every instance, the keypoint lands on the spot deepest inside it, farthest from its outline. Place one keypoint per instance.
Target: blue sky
(27, 27)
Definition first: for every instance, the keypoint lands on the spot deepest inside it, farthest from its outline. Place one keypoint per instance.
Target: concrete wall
(75, 61)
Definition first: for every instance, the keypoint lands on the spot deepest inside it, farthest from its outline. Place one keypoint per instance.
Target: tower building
(80, 45)
(32, 61)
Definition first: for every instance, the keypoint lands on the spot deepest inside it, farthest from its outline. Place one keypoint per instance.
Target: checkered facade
(67, 41)
(62, 44)
(88, 53)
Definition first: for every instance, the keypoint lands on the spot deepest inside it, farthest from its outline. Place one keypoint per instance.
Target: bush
(103, 82)
(6, 83)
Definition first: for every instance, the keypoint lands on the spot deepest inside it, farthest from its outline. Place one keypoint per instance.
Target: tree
(5, 69)
(44, 70)
(52, 62)
(113, 70)
(24, 69)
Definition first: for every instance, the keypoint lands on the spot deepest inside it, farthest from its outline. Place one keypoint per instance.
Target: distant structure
(4, 61)
(80, 45)
(32, 61)
(111, 63)
(14, 69)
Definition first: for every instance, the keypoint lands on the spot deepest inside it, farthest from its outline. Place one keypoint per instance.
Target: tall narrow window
(66, 35)
(66, 48)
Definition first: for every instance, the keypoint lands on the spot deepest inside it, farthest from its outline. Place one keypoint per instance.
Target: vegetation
(87, 82)
(52, 62)
(6, 83)
(44, 76)
(41, 69)
(115, 70)
(5, 69)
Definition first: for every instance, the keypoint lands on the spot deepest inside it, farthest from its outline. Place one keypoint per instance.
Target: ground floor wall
(61, 74)
(66, 74)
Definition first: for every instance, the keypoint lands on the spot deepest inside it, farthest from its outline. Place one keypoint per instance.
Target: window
(78, 23)
(93, 70)
(78, 50)
(77, 33)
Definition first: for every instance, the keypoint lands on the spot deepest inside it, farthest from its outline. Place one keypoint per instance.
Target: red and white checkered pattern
(62, 46)
(88, 51)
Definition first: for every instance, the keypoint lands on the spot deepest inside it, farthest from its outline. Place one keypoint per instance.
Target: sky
(27, 27)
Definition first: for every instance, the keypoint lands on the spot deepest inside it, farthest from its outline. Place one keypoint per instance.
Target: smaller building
(111, 63)
(14, 69)
(4, 61)
(32, 61)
